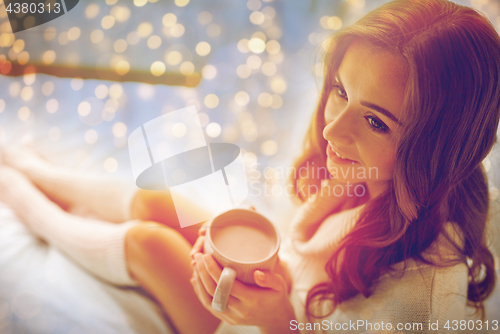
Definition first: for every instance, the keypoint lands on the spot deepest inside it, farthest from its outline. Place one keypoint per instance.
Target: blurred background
(77, 86)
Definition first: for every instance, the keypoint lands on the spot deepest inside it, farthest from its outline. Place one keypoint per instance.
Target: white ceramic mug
(244, 242)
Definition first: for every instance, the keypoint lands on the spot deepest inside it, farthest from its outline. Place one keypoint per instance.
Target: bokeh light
(187, 68)
(179, 130)
(76, 84)
(18, 46)
(154, 42)
(27, 93)
(107, 22)
(254, 62)
(256, 45)
(74, 33)
(204, 18)
(140, 3)
(49, 57)
(277, 101)
(47, 88)
(115, 90)
(120, 13)
(278, 85)
(173, 58)
(211, 101)
(269, 69)
(254, 5)
(120, 45)
(169, 20)
(122, 67)
(257, 18)
(177, 30)
(203, 48)
(24, 113)
(23, 58)
(119, 129)
(209, 72)
(96, 36)
(158, 68)
(29, 78)
(242, 98)
(265, 99)
(52, 105)
(91, 11)
(273, 47)
(269, 147)
(243, 71)
(91, 136)
(110, 164)
(181, 3)
(145, 29)
(243, 46)
(101, 91)
(213, 130)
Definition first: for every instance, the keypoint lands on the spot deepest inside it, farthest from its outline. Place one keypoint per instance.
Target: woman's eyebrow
(380, 110)
(372, 105)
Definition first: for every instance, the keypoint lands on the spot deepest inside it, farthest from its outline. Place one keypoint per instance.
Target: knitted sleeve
(424, 299)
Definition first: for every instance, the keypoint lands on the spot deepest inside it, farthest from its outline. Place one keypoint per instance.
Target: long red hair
(451, 111)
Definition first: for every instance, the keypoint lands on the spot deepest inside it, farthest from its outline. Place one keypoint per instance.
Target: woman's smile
(336, 157)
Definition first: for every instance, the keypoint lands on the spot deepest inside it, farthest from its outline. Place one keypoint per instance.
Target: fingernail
(261, 275)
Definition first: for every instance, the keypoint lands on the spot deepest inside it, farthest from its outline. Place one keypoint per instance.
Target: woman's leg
(158, 258)
(108, 199)
(95, 245)
(158, 206)
(104, 197)
(129, 254)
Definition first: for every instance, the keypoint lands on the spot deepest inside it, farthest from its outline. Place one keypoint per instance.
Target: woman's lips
(337, 157)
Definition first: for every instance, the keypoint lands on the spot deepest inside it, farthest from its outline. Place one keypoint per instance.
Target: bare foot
(12, 183)
(22, 158)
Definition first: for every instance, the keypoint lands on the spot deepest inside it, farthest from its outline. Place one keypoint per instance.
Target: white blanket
(42, 291)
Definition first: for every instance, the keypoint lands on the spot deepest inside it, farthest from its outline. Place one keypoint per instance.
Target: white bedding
(42, 291)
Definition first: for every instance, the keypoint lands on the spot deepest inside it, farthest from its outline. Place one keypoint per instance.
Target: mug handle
(223, 289)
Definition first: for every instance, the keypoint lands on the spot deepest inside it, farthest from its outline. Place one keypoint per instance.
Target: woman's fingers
(203, 229)
(208, 281)
(198, 246)
(270, 281)
(212, 267)
(200, 291)
(206, 299)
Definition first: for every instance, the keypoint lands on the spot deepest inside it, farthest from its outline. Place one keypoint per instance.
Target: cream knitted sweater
(415, 300)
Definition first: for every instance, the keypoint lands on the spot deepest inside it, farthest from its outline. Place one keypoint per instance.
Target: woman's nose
(340, 130)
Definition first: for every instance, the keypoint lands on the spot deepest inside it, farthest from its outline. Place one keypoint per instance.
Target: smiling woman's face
(362, 116)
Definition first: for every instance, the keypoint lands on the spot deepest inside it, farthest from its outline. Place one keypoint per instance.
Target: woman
(411, 103)
(412, 92)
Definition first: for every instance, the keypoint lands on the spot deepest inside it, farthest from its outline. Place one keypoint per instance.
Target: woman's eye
(376, 125)
(340, 91)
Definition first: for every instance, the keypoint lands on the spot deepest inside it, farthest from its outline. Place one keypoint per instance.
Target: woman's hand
(266, 305)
